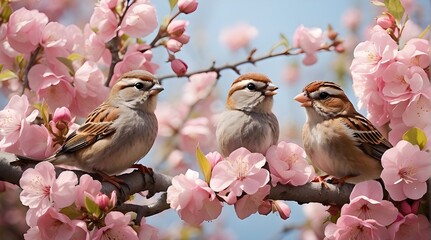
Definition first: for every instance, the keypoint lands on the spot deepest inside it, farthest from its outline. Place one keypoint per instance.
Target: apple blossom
(25, 28)
(54, 225)
(310, 40)
(146, 231)
(350, 227)
(13, 117)
(89, 81)
(412, 227)
(173, 45)
(139, 20)
(104, 22)
(415, 53)
(249, 203)
(238, 36)
(198, 87)
(176, 28)
(242, 171)
(366, 203)
(41, 189)
(187, 6)
(116, 227)
(288, 165)
(40, 149)
(55, 89)
(405, 171)
(179, 67)
(193, 199)
(214, 158)
(87, 187)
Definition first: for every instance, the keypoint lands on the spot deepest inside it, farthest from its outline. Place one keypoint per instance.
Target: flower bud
(173, 45)
(102, 201)
(179, 67)
(187, 6)
(177, 27)
(386, 21)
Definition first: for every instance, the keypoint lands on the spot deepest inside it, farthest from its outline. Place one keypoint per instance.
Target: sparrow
(117, 133)
(339, 140)
(248, 120)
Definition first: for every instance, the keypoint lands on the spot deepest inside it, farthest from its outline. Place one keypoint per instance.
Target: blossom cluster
(62, 208)
(368, 216)
(392, 80)
(240, 180)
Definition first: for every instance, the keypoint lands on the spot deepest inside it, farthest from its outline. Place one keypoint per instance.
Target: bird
(338, 140)
(248, 120)
(118, 132)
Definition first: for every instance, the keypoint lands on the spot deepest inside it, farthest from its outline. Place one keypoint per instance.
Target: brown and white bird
(248, 120)
(338, 139)
(117, 133)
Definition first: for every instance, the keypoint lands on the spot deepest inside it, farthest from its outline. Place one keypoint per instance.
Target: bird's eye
(251, 86)
(323, 95)
(139, 85)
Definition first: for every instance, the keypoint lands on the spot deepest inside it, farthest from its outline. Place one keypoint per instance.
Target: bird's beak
(303, 99)
(270, 90)
(156, 89)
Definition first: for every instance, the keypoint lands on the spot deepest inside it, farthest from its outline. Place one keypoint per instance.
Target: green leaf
(424, 32)
(416, 136)
(173, 3)
(395, 8)
(6, 12)
(92, 207)
(71, 211)
(44, 111)
(7, 74)
(68, 63)
(204, 164)
(74, 56)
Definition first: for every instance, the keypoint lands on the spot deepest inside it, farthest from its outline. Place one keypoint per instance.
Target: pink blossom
(282, 208)
(146, 231)
(104, 22)
(140, 20)
(238, 36)
(116, 227)
(41, 189)
(187, 6)
(405, 171)
(40, 149)
(351, 18)
(386, 20)
(366, 203)
(94, 45)
(193, 199)
(134, 59)
(350, 227)
(415, 53)
(169, 117)
(55, 89)
(179, 67)
(371, 57)
(249, 204)
(24, 30)
(418, 111)
(13, 117)
(184, 38)
(410, 227)
(87, 187)
(33, 233)
(176, 28)
(402, 82)
(54, 225)
(241, 172)
(54, 35)
(316, 215)
(89, 81)
(198, 87)
(195, 132)
(214, 158)
(173, 45)
(310, 40)
(288, 165)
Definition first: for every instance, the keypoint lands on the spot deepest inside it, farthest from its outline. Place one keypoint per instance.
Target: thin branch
(31, 63)
(145, 211)
(250, 60)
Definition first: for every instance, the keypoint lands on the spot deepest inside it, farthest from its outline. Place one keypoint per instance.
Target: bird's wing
(96, 127)
(368, 138)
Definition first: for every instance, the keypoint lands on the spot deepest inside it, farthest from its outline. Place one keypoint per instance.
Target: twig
(31, 63)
